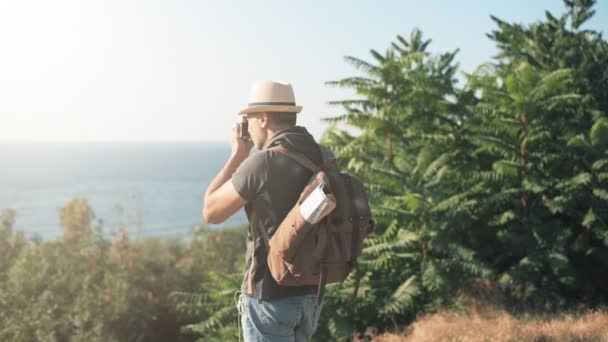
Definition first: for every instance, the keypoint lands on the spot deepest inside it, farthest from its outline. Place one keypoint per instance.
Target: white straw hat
(271, 96)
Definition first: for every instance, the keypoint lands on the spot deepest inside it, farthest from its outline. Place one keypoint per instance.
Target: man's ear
(264, 120)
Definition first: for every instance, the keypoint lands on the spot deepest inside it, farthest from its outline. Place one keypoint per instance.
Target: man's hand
(240, 147)
(221, 199)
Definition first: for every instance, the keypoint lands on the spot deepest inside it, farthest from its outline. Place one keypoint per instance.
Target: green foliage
(11, 242)
(83, 287)
(599, 134)
(503, 179)
(76, 219)
(212, 308)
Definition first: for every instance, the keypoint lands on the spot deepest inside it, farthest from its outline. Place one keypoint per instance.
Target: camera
(244, 129)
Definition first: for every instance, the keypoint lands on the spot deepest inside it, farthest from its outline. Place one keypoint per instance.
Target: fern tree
(411, 122)
(521, 128)
(541, 107)
(503, 179)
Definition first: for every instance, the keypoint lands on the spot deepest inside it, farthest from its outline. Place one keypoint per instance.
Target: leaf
(437, 163)
(361, 64)
(599, 133)
(504, 218)
(506, 167)
(551, 82)
(578, 141)
(599, 164)
(219, 319)
(450, 202)
(533, 186)
(505, 279)
(590, 218)
(403, 299)
(424, 158)
(601, 193)
(557, 204)
(416, 202)
(403, 239)
(433, 277)
(580, 180)
(564, 101)
(561, 268)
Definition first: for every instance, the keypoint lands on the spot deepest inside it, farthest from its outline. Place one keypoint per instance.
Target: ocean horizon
(150, 188)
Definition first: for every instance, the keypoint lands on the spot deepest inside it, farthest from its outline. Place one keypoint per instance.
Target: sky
(179, 71)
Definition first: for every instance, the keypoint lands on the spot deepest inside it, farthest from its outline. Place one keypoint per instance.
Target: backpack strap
(357, 283)
(303, 160)
(354, 218)
(323, 271)
(322, 282)
(298, 157)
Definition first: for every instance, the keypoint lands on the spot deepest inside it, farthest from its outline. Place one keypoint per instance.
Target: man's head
(263, 125)
(271, 108)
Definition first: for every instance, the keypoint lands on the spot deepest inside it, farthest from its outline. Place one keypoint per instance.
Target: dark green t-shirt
(271, 183)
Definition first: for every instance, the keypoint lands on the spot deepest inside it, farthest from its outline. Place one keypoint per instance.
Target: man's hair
(283, 118)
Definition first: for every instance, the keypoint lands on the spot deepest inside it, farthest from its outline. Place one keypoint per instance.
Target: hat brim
(257, 109)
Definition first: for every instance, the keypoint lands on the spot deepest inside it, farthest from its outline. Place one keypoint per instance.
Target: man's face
(255, 123)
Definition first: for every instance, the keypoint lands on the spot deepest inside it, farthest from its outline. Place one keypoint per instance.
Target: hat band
(253, 104)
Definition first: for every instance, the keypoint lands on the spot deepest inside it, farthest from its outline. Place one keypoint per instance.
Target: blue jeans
(288, 319)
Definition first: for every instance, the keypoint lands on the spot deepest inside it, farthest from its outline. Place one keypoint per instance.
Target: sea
(150, 189)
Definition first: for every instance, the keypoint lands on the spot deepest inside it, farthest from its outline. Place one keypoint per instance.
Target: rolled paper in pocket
(317, 204)
(329, 207)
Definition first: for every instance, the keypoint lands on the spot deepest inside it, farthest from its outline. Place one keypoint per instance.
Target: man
(268, 185)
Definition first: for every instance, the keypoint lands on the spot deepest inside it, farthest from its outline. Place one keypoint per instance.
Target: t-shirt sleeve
(249, 177)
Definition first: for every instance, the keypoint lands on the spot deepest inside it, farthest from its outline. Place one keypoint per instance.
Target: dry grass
(486, 320)
(500, 326)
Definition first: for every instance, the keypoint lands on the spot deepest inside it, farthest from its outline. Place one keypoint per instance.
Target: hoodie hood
(295, 139)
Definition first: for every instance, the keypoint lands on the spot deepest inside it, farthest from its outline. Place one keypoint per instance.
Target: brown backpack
(301, 253)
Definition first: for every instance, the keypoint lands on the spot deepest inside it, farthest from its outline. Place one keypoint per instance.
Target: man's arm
(221, 199)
